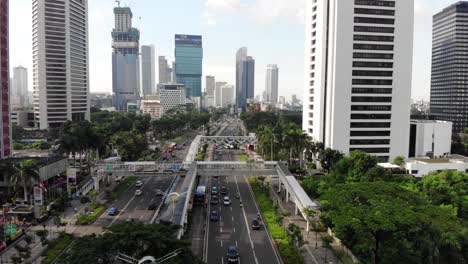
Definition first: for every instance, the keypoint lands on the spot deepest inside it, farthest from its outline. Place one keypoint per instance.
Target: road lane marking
(266, 230)
(247, 225)
(234, 229)
(232, 218)
(125, 207)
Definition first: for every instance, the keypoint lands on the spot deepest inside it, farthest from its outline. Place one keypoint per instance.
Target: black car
(214, 216)
(214, 199)
(152, 207)
(224, 190)
(255, 224)
(232, 255)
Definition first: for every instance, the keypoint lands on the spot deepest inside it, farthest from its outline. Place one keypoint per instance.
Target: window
(372, 150)
(368, 99)
(373, 73)
(371, 116)
(414, 171)
(374, 20)
(370, 133)
(372, 90)
(374, 29)
(371, 64)
(360, 55)
(373, 38)
(369, 141)
(370, 125)
(372, 47)
(375, 3)
(369, 11)
(371, 82)
(371, 108)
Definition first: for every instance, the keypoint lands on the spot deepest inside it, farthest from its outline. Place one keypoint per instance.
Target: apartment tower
(5, 114)
(358, 68)
(60, 62)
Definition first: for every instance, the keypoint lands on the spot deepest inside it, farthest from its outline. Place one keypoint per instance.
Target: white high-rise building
(358, 68)
(171, 96)
(218, 97)
(20, 86)
(165, 72)
(60, 62)
(227, 95)
(271, 86)
(148, 70)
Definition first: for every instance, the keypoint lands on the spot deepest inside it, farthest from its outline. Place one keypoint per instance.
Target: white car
(226, 201)
(138, 193)
(138, 184)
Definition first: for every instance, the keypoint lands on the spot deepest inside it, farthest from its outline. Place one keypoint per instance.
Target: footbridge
(229, 140)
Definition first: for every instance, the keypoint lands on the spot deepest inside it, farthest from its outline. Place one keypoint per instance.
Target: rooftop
(448, 159)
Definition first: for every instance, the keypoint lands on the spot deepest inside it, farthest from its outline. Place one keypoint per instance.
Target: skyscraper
(358, 68)
(125, 60)
(148, 70)
(227, 95)
(272, 84)
(219, 94)
(20, 85)
(245, 78)
(60, 62)
(210, 85)
(5, 115)
(188, 63)
(449, 89)
(165, 71)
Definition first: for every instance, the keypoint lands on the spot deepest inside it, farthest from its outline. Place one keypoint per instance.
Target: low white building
(429, 138)
(424, 166)
(152, 108)
(171, 95)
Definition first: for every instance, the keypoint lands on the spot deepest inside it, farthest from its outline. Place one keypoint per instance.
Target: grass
(86, 219)
(121, 187)
(288, 252)
(56, 247)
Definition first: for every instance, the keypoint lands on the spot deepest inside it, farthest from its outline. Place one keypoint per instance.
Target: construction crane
(118, 2)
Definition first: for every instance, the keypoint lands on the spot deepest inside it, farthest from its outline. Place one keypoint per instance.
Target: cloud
(261, 11)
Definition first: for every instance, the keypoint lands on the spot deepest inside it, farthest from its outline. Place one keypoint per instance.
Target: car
(214, 190)
(224, 190)
(255, 224)
(226, 201)
(129, 220)
(138, 184)
(232, 255)
(138, 193)
(152, 207)
(214, 199)
(214, 216)
(112, 211)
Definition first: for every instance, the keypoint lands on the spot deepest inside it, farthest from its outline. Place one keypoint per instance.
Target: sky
(273, 31)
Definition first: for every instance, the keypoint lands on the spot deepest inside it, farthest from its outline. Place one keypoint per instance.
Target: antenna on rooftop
(118, 2)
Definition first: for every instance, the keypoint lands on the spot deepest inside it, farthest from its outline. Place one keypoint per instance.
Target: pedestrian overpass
(229, 140)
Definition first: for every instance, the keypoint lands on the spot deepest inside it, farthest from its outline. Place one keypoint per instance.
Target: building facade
(188, 63)
(148, 71)
(151, 108)
(60, 62)
(449, 89)
(271, 87)
(165, 72)
(171, 96)
(430, 138)
(219, 94)
(245, 78)
(20, 86)
(5, 114)
(125, 60)
(227, 95)
(358, 70)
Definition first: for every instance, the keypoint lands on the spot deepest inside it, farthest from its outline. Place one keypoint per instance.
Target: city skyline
(212, 21)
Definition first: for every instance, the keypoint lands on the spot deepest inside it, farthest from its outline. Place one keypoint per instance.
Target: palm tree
(25, 175)
(266, 139)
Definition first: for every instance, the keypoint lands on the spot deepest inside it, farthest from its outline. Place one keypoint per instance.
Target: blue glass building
(188, 63)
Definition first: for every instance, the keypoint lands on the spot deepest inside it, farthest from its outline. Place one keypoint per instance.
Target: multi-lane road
(234, 227)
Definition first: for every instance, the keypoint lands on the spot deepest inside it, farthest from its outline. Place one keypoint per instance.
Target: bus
(200, 194)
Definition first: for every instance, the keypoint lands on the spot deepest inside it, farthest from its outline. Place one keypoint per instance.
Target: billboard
(38, 197)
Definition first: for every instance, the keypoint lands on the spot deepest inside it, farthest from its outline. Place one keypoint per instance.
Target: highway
(234, 227)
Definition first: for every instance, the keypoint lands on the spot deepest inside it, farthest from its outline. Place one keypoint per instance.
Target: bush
(56, 247)
(86, 219)
(288, 252)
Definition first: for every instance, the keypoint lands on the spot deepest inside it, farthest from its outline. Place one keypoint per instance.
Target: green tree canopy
(383, 223)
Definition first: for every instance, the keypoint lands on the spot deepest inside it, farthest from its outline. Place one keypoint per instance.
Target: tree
(133, 239)
(329, 157)
(295, 235)
(400, 161)
(131, 145)
(25, 176)
(383, 223)
(7, 170)
(326, 244)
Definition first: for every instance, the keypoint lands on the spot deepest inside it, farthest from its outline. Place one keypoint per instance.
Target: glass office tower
(188, 63)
